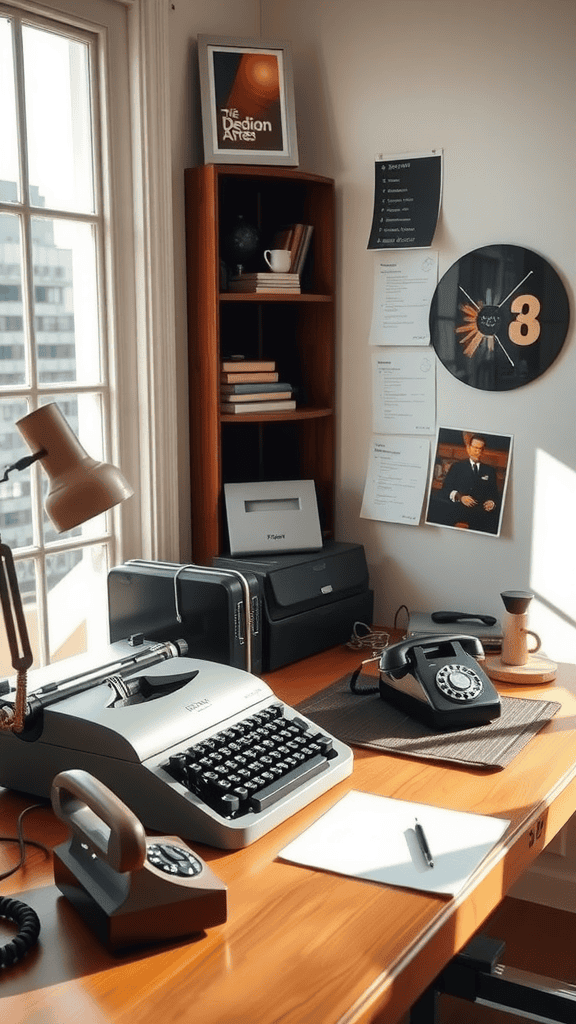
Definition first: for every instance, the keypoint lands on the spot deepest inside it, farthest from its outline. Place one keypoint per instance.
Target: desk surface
(299, 946)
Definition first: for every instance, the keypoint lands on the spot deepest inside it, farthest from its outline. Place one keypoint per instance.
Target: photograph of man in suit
(470, 497)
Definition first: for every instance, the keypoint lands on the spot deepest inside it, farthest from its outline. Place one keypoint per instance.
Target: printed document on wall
(404, 285)
(403, 391)
(396, 479)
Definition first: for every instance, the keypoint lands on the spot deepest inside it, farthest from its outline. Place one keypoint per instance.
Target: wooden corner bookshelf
(296, 330)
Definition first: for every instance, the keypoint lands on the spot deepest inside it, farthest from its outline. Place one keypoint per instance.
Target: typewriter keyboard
(252, 764)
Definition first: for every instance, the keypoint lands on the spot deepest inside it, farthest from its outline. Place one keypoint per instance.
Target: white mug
(278, 260)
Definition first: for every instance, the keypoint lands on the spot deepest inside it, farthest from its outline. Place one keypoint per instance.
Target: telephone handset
(130, 888)
(437, 679)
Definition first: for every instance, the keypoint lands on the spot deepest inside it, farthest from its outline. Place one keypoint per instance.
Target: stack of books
(252, 385)
(265, 282)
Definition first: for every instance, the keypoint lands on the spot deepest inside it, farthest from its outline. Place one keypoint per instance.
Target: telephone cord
(28, 930)
(14, 910)
(376, 640)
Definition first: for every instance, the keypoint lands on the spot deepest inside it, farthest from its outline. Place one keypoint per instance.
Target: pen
(423, 843)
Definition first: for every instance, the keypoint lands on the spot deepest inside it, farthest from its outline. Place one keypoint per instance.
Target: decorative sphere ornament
(241, 243)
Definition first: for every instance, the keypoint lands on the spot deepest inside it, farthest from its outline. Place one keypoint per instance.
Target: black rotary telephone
(437, 679)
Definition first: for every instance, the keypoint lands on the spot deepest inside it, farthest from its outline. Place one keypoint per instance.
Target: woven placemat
(368, 721)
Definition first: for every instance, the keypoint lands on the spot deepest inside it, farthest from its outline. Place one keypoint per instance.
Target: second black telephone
(437, 679)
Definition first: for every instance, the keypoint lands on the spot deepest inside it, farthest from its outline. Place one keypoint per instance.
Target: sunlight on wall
(553, 562)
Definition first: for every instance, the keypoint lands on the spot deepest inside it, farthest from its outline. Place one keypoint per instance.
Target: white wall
(493, 85)
(188, 19)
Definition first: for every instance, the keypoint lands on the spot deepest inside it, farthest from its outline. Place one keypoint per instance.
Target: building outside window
(55, 340)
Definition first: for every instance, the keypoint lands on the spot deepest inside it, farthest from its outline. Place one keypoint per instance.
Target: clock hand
(503, 349)
(472, 300)
(515, 289)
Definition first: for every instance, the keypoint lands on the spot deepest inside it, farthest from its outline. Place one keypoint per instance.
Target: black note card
(407, 191)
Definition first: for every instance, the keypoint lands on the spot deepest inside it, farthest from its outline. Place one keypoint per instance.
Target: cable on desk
(364, 637)
(375, 640)
(23, 843)
(13, 910)
(402, 608)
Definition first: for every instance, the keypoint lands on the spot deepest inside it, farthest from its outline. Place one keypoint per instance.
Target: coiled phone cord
(14, 910)
(28, 930)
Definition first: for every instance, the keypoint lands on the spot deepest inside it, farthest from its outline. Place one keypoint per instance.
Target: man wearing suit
(470, 493)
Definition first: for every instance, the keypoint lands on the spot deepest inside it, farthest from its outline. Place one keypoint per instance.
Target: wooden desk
(299, 946)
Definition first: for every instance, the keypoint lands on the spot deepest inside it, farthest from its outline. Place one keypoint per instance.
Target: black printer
(310, 601)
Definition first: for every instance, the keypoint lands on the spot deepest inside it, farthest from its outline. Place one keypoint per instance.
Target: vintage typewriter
(194, 748)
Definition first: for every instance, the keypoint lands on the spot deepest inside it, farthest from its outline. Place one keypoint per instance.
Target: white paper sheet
(404, 284)
(403, 391)
(373, 837)
(396, 479)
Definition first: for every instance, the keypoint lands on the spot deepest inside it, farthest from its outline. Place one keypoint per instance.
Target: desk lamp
(80, 488)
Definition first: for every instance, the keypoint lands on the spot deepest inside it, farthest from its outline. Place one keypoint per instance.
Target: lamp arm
(18, 639)
(23, 463)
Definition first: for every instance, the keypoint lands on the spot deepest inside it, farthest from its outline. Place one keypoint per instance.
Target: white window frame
(144, 428)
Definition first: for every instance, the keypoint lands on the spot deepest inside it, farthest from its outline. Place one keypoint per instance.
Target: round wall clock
(499, 317)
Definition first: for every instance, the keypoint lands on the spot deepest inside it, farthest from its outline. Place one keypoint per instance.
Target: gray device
(216, 612)
(148, 732)
(272, 516)
(310, 600)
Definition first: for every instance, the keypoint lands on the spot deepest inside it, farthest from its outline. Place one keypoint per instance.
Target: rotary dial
(458, 682)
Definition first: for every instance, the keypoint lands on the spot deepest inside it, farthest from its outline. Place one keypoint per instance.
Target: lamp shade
(80, 487)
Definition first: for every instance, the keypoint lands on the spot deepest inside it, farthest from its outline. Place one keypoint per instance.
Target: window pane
(15, 505)
(85, 417)
(65, 302)
(12, 352)
(26, 576)
(58, 121)
(9, 175)
(77, 601)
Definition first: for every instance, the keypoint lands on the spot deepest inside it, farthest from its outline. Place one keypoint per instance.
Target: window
(52, 216)
(43, 294)
(85, 172)
(10, 293)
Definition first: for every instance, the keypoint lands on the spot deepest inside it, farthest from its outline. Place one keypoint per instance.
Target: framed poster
(499, 317)
(247, 96)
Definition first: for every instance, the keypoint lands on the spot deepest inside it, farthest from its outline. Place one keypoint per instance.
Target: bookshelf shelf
(273, 297)
(294, 330)
(261, 417)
